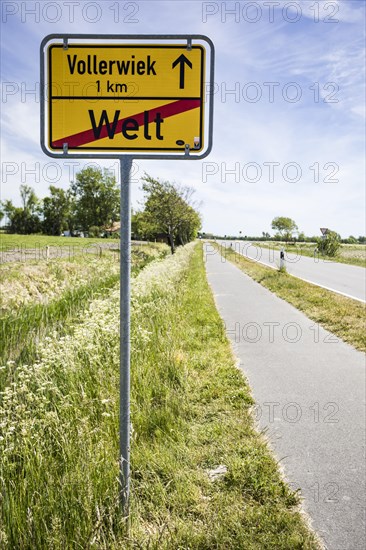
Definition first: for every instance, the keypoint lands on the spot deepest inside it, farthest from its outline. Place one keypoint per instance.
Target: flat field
(9, 242)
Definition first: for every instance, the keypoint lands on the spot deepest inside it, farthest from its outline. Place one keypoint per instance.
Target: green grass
(22, 327)
(190, 410)
(342, 316)
(20, 242)
(20, 332)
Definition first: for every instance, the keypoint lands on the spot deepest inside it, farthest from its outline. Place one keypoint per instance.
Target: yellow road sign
(125, 97)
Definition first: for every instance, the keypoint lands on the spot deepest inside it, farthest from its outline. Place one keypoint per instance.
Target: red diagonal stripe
(171, 109)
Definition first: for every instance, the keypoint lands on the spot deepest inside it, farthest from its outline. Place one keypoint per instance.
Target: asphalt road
(342, 278)
(309, 389)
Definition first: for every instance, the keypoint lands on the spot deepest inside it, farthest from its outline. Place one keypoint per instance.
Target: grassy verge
(22, 326)
(342, 316)
(190, 413)
(39, 282)
(20, 333)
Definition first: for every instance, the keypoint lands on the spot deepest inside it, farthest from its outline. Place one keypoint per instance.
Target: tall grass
(22, 326)
(39, 281)
(59, 423)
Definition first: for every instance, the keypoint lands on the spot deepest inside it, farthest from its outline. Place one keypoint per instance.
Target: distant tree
(329, 244)
(57, 211)
(141, 227)
(285, 227)
(24, 220)
(301, 237)
(167, 209)
(29, 198)
(351, 240)
(362, 239)
(191, 222)
(97, 198)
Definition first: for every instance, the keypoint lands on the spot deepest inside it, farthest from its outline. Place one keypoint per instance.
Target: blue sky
(289, 106)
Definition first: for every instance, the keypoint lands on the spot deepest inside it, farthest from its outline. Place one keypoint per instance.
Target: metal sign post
(125, 325)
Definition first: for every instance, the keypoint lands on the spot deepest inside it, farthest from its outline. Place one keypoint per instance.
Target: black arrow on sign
(182, 60)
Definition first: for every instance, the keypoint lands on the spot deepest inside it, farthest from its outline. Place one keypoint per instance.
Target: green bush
(330, 244)
(94, 231)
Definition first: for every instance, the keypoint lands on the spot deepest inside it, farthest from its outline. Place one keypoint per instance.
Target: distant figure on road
(282, 258)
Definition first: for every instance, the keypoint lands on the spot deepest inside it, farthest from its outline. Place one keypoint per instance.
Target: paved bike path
(309, 389)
